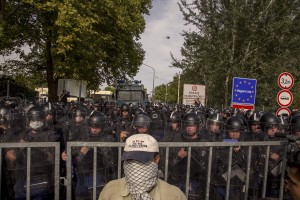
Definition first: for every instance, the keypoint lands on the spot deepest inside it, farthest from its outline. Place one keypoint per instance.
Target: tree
(95, 41)
(251, 39)
(168, 93)
(109, 88)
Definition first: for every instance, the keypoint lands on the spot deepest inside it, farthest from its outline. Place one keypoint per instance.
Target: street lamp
(153, 79)
(166, 93)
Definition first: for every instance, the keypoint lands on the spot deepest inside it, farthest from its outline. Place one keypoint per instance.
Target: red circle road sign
(281, 111)
(285, 80)
(284, 98)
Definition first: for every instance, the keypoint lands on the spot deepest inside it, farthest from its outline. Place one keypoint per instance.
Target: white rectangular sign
(192, 92)
(76, 88)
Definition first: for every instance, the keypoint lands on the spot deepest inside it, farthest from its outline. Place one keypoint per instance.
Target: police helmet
(142, 120)
(5, 116)
(235, 123)
(295, 124)
(35, 113)
(138, 111)
(191, 119)
(125, 107)
(209, 112)
(48, 108)
(97, 119)
(268, 120)
(248, 114)
(215, 119)
(5, 112)
(79, 112)
(255, 118)
(175, 117)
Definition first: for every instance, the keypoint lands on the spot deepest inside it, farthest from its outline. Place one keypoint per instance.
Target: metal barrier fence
(28, 146)
(189, 146)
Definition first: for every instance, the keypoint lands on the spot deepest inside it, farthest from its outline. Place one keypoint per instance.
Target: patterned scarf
(140, 178)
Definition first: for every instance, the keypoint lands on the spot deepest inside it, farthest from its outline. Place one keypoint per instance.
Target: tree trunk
(231, 61)
(51, 80)
(226, 91)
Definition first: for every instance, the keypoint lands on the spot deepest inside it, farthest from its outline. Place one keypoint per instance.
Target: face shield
(214, 127)
(272, 129)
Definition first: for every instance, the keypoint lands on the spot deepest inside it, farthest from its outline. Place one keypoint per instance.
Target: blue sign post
(243, 91)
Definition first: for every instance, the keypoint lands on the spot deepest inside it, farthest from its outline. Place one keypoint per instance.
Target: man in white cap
(141, 157)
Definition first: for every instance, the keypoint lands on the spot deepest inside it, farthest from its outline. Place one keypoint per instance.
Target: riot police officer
(269, 123)
(178, 159)
(295, 125)
(255, 132)
(76, 129)
(158, 122)
(233, 133)
(174, 126)
(106, 159)
(123, 124)
(42, 159)
(214, 128)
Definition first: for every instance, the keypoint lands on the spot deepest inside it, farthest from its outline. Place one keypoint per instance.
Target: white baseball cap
(140, 147)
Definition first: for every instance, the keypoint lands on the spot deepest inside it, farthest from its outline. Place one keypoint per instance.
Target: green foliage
(95, 41)
(250, 39)
(168, 92)
(109, 88)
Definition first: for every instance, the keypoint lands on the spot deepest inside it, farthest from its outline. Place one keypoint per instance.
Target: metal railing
(189, 146)
(28, 147)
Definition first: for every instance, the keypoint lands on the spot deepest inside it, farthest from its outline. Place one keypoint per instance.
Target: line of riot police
(107, 122)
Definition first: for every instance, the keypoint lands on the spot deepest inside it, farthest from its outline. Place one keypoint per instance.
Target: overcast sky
(165, 20)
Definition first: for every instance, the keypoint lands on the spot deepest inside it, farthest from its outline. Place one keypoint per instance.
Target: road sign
(243, 106)
(243, 91)
(281, 111)
(192, 92)
(284, 98)
(285, 80)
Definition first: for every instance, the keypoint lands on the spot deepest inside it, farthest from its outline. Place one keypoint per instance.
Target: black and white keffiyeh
(140, 178)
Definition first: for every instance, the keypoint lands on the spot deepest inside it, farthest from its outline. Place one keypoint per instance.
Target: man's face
(142, 129)
(234, 134)
(95, 130)
(48, 118)
(255, 128)
(191, 130)
(79, 119)
(125, 113)
(214, 128)
(272, 130)
(174, 125)
(36, 124)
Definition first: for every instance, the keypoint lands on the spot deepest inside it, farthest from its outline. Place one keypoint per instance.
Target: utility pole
(178, 91)
(166, 94)
(152, 81)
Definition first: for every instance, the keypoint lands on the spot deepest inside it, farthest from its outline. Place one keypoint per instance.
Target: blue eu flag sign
(243, 90)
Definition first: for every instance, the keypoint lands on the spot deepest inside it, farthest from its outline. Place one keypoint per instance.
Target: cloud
(165, 20)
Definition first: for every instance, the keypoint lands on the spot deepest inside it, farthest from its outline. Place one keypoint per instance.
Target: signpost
(286, 80)
(192, 92)
(285, 97)
(282, 111)
(243, 93)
